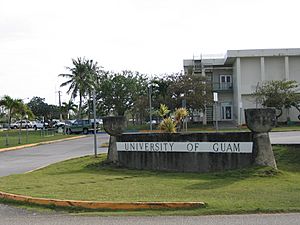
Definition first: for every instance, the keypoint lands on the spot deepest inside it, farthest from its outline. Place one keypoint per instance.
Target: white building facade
(236, 76)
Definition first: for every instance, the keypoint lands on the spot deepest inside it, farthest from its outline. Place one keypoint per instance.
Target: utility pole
(216, 109)
(94, 112)
(59, 102)
(150, 104)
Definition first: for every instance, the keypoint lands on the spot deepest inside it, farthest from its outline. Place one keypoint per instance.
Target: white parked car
(153, 122)
(39, 125)
(59, 124)
(23, 123)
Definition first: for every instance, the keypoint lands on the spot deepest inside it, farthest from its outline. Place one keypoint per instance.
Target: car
(60, 124)
(81, 126)
(57, 124)
(39, 124)
(21, 123)
(153, 122)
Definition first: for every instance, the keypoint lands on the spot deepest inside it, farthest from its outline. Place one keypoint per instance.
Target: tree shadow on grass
(223, 179)
(212, 180)
(203, 181)
(287, 157)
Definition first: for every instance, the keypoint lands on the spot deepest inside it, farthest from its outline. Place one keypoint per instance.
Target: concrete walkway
(287, 138)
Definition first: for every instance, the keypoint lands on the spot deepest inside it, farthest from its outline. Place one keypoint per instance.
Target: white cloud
(39, 38)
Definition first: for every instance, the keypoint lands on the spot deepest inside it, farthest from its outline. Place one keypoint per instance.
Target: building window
(226, 111)
(225, 82)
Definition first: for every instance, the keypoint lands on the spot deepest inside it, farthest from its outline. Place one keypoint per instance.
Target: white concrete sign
(215, 147)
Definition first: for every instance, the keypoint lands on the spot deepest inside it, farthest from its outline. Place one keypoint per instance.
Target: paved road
(12, 216)
(292, 137)
(21, 161)
(31, 158)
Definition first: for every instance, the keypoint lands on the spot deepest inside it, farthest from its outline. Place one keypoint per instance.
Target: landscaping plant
(169, 125)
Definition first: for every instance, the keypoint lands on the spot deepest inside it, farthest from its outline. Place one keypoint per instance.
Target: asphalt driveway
(24, 160)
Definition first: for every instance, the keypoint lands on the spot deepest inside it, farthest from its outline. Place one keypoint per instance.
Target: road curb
(102, 205)
(39, 143)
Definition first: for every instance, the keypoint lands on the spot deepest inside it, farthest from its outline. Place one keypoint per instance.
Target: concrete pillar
(287, 77)
(286, 68)
(261, 122)
(238, 89)
(112, 155)
(203, 72)
(204, 119)
(114, 126)
(262, 69)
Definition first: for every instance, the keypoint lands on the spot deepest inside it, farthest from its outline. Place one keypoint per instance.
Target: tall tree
(117, 92)
(160, 87)
(81, 79)
(139, 109)
(68, 107)
(24, 111)
(193, 89)
(53, 112)
(11, 105)
(278, 94)
(39, 107)
(43, 110)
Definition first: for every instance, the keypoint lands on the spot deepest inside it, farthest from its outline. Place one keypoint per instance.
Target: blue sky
(39, 38)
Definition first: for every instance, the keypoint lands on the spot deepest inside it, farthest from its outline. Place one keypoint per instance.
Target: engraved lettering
(189, 147)
(216, 147)
(236, 147)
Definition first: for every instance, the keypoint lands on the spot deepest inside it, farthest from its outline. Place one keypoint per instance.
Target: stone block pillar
(114, 126)
(260, 122)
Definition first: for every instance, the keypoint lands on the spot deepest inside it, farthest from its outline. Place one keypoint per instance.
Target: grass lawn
(287, 128)
(32, 136)
(248, 190)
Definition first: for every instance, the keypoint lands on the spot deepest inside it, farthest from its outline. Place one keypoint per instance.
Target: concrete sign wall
(188, 152)
(213, 147)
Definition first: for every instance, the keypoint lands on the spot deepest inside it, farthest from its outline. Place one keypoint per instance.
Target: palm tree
(81, 79)
(69, 106)
(93, 70)
(23, 111)
(11, 105)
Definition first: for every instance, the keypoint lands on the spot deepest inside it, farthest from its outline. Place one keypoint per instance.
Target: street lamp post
(183, 103)
(216, 109)
(150, 104)
(95, 130)
(59, 102)
(26, 126)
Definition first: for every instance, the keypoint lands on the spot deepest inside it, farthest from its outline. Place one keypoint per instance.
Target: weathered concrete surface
(260, 122)
(264, 155)
(185, 161)
(114, 126)
(112, 155)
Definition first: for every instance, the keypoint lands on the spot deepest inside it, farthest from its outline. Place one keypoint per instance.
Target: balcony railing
(222, 86)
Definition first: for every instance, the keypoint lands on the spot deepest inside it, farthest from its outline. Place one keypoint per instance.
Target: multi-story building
(237, 75)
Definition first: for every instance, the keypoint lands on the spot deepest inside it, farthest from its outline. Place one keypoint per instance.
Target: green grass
(256, 189)
(11, 138)
(287, 128)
